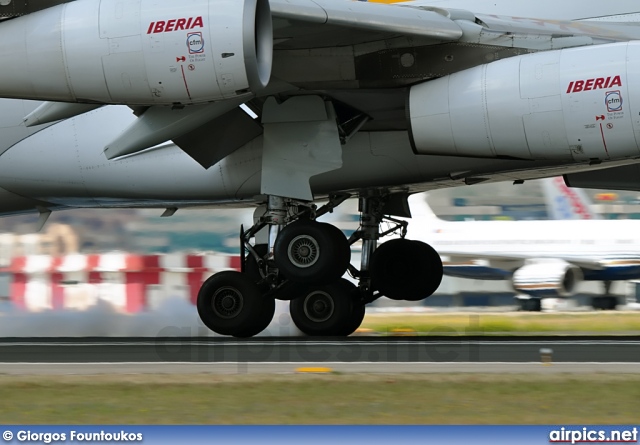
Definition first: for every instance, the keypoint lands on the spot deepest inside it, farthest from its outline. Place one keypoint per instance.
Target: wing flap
(320, 23)
(213, 141)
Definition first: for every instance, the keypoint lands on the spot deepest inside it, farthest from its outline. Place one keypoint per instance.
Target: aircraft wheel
(605, 303)
(531, 304)
(355, 319)
(596, 303)
(230, 303)
(612, 303)
(310, 252)
(328, 309)
(262, 320)
(406, 270)
(289, 291)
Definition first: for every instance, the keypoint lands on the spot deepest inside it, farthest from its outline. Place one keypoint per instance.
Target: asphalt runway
(159, 368)
(353, 354)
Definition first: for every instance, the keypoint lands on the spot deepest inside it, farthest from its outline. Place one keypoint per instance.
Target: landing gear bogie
(530, 304)
(303, 261)
(604, 302)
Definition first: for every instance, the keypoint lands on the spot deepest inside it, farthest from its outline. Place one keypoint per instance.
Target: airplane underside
(353, 100)
(287, 254)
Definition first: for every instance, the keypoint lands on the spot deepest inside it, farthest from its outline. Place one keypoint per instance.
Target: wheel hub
(303, 251)
(318, 306)
(227, 302)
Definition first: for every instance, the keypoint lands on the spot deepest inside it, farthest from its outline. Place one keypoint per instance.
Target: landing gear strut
(606, 302)
(304, 260)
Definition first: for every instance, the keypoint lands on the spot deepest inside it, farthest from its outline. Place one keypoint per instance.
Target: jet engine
(138, 52)
(552, 278)
(572, 104)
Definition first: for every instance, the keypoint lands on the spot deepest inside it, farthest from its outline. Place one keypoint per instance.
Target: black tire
(290, 290)
(605, 303)
(229, 303)
(597, 303)
(343, 250)
(531, 305)
(262, 321)
(325, 309)
(406, 270)
(355, 319)
(309, 252)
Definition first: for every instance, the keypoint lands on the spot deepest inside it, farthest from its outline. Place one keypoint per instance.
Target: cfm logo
(195, 43)
(613, 100)
(175, 25)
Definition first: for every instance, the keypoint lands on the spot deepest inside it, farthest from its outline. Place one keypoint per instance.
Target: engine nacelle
(572, 104)
(138, 52)
(547, 278)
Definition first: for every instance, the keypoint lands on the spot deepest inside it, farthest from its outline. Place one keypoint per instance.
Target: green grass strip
(508, 323)
(322, 399)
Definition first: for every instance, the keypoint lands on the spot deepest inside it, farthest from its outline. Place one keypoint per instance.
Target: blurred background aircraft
(541, 259)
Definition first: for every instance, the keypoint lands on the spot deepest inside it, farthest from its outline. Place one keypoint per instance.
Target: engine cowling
(572, 104)
(548, 278)
(138, 52)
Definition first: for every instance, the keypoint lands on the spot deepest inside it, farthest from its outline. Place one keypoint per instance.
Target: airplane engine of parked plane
(577, 103)
(141, 52)
(550, 278)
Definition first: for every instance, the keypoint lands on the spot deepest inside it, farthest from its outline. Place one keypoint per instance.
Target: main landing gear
(304, 261)
(606, 302)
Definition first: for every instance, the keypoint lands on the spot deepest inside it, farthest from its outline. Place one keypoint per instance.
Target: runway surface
(352, 350)
(240, 368)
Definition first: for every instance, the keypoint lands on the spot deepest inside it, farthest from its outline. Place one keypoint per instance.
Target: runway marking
(316, 370)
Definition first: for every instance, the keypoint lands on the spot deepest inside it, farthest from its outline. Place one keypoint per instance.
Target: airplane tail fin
(566, 203)
(420, 208)
(424, 222)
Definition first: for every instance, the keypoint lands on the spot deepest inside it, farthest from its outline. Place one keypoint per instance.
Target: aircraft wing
(306, 24)
(362, 56)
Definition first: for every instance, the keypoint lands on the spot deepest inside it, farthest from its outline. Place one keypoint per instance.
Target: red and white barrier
(131, 283)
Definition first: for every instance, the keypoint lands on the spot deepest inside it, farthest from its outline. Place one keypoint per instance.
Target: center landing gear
(304, 261)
